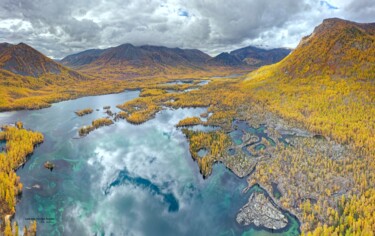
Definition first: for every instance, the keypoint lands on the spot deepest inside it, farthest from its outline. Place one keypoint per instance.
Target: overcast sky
(62, 27)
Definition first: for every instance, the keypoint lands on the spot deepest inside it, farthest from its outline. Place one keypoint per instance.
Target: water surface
(123, 179)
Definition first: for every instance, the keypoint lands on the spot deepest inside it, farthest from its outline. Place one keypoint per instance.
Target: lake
(124, 179)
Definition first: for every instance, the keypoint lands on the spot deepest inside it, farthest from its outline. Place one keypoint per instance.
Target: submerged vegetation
(19, 144)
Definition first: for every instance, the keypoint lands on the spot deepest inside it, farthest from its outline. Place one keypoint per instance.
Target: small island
(261, 212)
(85, 130)
(84, 112)
(49, 165)
(189, 121)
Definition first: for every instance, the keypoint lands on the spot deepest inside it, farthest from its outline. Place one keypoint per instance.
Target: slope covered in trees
(28, 79)
(337, 48)
(326, 85)
(24, 60)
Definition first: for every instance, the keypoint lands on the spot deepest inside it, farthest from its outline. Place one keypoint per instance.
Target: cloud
(182, 12)
(61, 27)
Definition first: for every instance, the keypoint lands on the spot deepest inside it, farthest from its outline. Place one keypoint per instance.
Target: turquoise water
(2, 145)
(124, 179)
(240, 128)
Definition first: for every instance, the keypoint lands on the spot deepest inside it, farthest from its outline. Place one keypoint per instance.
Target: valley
(284, 149)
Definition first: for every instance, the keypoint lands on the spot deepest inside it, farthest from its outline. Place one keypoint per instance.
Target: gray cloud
(60, 27)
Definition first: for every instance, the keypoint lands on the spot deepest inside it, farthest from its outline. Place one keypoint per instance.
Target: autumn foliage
(19, 144)
(95, 124)
(327, 85)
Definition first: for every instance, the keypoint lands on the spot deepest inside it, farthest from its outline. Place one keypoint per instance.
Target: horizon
(59, 59)
(63, 29)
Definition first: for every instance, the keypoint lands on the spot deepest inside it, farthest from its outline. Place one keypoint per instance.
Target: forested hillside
(327, 84)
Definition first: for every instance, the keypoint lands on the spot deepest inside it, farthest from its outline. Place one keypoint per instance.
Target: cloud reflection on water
(154, 151)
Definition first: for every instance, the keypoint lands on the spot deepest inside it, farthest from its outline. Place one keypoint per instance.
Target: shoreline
(2, 110)
(245, 190)
(280, 208)
(49, 103)
(18, 195)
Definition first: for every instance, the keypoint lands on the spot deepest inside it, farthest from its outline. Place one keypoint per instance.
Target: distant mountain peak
(23, 44)
(226, 59)
(254, 56)
(24, 60)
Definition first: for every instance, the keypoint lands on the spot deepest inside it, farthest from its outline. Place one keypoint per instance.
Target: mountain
(250, 56)
(227, 60)
(336, 47)
(30, 80)
(82, 58)
(127, 54)
(24, 60)
(127, 60)
(258, 57)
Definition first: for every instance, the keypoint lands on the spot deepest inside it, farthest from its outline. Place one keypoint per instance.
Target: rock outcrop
(261, 212)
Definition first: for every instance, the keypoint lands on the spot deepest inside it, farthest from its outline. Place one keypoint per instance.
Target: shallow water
(202, 152)
(204, 82)
(179, 82)
(123, 179)
(203, 128)
(240, 128)
(2, 145)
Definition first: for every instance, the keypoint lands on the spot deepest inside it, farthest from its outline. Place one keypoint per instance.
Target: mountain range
(335, 47)
(31, 80)
(251, 56)
(127, 60)
(127, 54)
(131, 60)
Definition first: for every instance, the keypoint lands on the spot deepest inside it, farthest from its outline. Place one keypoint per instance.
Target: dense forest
(331, 94)
(19, 144)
